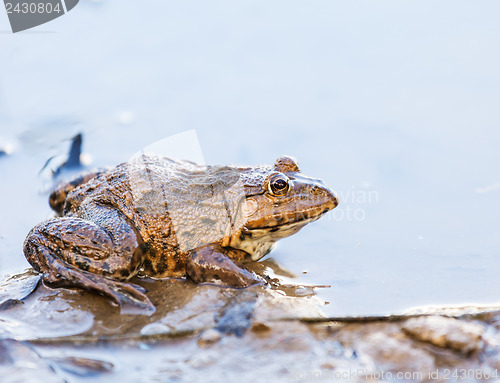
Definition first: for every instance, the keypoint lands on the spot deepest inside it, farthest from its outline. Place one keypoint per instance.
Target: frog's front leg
(92, 254)
(214, 264)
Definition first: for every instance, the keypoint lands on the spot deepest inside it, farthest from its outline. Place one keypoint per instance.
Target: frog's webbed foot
(213, 264)
(128, 296)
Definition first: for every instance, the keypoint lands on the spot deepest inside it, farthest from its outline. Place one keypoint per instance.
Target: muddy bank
(205, 333)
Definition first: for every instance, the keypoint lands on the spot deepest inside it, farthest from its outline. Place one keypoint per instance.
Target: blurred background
(394, 104)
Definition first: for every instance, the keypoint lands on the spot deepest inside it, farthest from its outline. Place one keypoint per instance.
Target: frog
(158, 217)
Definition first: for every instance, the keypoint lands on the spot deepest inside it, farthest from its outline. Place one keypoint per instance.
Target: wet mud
(206, 333)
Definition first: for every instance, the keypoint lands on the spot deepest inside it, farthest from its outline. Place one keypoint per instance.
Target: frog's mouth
(277, 222)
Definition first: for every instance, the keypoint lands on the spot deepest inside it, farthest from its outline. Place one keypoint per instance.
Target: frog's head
(279, 202)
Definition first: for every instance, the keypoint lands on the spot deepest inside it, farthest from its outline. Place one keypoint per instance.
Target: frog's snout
(332, 200)
(319, 197)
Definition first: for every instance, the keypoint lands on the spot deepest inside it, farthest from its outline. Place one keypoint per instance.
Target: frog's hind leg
(58, 196)
(130, 297)
(76, 252)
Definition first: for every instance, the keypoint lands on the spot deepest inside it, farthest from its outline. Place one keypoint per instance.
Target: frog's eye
(279, 185)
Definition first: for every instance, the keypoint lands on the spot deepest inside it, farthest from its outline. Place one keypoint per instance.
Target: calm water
(392, 104)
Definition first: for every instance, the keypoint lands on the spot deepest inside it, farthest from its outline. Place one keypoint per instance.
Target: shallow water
(393, 105)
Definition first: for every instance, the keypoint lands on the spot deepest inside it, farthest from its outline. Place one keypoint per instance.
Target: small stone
(443, 332)
(328, 365)
(202, 360)
(303, 291)
(260, 328)
(84, 366)
(209, 337)
(155, 328)
(392, 354)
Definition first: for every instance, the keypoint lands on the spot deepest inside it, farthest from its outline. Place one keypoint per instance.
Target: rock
(303, 291)
(328, 364)
(43, 314)
(454, 334)
(196, 306)
(209, 337)
(14, 288)
(21, 363)
(392, 354)
(155, 328)
(275, 305)
(260, 328)
(286, 336)
(84, 366)
(203, 359)
(236, 317)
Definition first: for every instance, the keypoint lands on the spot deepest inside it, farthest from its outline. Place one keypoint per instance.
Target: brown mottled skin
(161, 218)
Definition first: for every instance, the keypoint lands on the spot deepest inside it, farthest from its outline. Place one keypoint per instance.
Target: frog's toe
(131, 299)
(209, 264)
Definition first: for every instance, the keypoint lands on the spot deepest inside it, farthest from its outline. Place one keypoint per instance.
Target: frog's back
(110, 187)
(165, 201)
